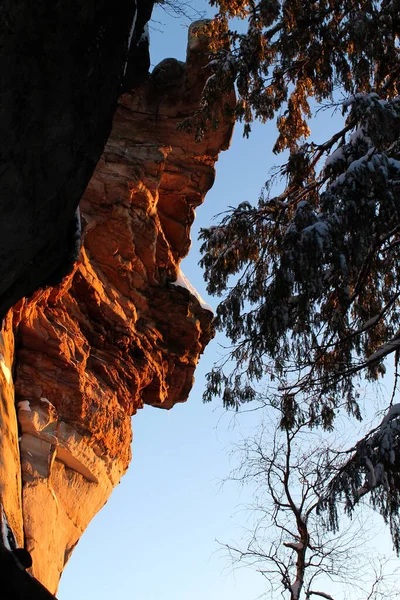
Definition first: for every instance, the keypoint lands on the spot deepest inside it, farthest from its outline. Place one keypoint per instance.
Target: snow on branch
(373, 468)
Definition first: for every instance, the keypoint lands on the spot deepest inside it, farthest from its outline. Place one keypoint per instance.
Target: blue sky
(156, 537)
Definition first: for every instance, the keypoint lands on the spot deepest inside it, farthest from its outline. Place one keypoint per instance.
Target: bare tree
(288, 542)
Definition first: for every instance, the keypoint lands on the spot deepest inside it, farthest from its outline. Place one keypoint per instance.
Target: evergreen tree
(310, 277)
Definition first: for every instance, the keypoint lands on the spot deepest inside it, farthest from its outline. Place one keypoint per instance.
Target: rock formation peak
(124, 329)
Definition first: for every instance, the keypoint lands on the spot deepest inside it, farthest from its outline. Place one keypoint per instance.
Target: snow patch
(183, 282)
(295, 588)
(360, 96)
(384, 443)
(338, 154)
(386, 349)
(46, 401)
(394, 411)
(394, 163)
(145, 37)
(297, 546)
(5, 369)
(78, 233)
(24, 405)
(320, 230)
(7, 534)
(130, 37)
(54, 495)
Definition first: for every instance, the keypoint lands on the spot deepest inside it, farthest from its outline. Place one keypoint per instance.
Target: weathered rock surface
(10, 470)
(62, 66)
(117, 333)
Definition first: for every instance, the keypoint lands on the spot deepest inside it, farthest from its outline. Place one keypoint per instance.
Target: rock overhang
(121, 330)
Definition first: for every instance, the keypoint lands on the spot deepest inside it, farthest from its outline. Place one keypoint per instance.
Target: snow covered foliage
(295, 50)
(317, 268)
(310, 277)
(372, 467)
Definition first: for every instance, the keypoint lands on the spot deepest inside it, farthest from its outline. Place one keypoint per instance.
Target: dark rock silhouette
(62, 66)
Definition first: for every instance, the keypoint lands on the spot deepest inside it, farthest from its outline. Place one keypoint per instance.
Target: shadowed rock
(62, 65)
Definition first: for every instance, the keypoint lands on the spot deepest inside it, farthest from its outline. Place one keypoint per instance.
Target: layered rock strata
(122, 330)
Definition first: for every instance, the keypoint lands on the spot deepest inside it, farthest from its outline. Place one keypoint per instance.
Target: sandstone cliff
(119, 332)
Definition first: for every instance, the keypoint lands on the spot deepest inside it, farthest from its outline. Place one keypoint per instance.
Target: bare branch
(321, 594)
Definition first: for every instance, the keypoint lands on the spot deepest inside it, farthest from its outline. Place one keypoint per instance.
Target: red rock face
(117, 334)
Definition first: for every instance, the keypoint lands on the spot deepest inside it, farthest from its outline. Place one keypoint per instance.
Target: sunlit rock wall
(117, 333)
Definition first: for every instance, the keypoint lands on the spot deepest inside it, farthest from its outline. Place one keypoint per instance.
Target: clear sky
(156, 537)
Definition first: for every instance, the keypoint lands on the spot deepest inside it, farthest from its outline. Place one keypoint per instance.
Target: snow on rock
(145, 37)
(130, 38)
(183, 282)
(46, 401)
(5, 369)
(77, 234)
(24, 405)
(7, 534)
